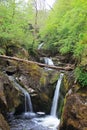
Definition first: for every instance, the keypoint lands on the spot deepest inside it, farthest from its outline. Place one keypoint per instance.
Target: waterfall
(56, 96)
(28, 103)
(51, 121)
(39, 47)
(48, 61)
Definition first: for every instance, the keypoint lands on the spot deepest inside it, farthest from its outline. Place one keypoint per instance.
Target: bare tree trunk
(68, 68)
(36, 18)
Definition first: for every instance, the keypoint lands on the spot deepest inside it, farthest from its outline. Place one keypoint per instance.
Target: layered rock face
(38, 82)
(74, 115)
(9, 100)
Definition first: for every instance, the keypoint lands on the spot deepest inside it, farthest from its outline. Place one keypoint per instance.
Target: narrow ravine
(36, 121)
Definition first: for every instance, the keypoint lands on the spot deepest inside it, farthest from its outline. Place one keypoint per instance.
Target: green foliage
(14, 23)
(2, 51)
(66, 27)
(81, 76)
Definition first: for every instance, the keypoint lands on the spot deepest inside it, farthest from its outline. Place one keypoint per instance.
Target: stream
(26, 124)
(35, 121)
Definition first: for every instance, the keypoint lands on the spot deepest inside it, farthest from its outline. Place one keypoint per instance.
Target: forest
(61, 31)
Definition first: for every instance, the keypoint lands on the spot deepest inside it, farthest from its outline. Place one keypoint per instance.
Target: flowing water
(52, 121)
(40, 46)
(28, 103)
(33, 121)
(56, 96)
(48, 61)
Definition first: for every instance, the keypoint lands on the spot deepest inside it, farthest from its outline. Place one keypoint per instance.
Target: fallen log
(68, 68)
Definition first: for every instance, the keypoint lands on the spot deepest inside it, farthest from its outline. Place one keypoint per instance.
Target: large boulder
(10, 96)
(8, 99)
(74, 116)
(39, 83)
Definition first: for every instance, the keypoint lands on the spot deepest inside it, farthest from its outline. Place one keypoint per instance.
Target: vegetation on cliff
(65, 31)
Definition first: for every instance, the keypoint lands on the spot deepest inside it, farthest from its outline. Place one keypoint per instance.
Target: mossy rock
(17, 51)
(84, 58)
(3, 123)
(74, 111)
(66, 83)
(54, 77)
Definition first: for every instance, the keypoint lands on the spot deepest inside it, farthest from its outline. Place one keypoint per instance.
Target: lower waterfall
(51, 121)
(56, 96)
(28, 103)
(34, 121)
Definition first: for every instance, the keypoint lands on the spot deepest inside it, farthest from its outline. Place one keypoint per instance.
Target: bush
(81, 76)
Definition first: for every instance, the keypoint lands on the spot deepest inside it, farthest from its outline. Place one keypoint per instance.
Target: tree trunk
(68, 68)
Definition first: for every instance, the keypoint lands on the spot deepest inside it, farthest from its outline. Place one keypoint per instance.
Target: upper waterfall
(48, 61)
(39, 47)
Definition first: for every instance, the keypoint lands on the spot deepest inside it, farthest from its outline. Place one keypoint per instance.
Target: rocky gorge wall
(74, 114)
(38, 82)
(41, 85)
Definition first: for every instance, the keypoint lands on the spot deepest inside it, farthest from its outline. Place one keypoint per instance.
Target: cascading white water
(28, 103)
(39, 47)
(51, 121)
(48, 61)
(56, 96)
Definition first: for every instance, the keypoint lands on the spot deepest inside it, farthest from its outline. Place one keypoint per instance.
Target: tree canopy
(66, 27)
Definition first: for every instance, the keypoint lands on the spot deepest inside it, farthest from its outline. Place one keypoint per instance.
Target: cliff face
(74, 115)
(39, 82)
(9, 100)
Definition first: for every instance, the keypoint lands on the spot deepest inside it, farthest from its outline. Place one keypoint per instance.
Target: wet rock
(10, 70)
(39, 83)
(9, 95)
(3, 124)
(16, 51)
(74, 115)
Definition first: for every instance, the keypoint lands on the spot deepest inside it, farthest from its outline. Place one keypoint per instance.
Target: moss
(54, 78)
(43, 78)
(43, 81)
(60, 106)
(63, 110)
(84, 57)
(2, 51)
(66, 83)
(76, 87)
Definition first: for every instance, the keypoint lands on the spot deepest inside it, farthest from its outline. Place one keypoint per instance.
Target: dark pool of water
(32, 122)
